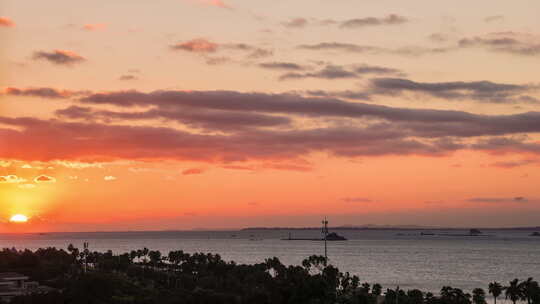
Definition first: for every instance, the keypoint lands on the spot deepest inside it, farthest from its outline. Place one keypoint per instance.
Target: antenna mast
(325, 234)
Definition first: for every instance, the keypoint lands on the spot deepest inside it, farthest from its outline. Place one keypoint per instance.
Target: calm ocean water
(388, 257)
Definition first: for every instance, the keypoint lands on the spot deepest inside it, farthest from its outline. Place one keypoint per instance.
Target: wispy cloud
(356, 200)
(27, 186)
(6, 22)
(392, 19)
(215, 3)
(296, 23)
(12, 179)
(483, 91)
(206, 47)
(42, 92)
(287, 66)
(514, 164)
(517, 199)
(192, 171)
(370, 49)
(343, 72)
(328, 72)
(496, 18)
(59, 57)
(128, 77)
(44, 179)
(516, 43)
(94, 27)
(199, 45)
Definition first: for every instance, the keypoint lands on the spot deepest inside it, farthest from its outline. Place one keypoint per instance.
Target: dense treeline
(146, 276)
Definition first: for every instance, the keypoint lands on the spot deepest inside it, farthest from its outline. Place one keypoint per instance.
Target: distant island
(384, 227)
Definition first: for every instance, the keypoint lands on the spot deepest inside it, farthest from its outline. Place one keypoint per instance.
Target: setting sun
(19, 218)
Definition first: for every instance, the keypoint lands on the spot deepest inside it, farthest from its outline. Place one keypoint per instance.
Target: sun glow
(19, 218)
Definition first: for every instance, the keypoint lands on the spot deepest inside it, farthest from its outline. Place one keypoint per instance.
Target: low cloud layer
(255, 126)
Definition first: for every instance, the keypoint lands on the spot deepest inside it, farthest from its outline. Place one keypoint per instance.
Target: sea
(391, 257)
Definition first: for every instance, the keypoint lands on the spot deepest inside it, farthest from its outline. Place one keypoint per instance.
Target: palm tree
(139, 255)
(132, 255)
(155, 258)
(366, 287)
(145, 252)
(479, 296)
(495, 289)
(446, 292)
(415, 296)
(377, 289)
(528, 289)
(513, 291)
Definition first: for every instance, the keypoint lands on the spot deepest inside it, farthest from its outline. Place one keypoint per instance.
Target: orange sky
(182, 114)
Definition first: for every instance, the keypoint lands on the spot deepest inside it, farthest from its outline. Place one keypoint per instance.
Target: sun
(19, 218)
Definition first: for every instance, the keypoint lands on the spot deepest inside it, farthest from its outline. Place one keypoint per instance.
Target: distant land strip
(386, 228)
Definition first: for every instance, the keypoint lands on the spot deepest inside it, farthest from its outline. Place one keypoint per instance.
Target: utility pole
(325, 233)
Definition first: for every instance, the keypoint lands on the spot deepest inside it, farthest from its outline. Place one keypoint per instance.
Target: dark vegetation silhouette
(150, 277)
(495, 289)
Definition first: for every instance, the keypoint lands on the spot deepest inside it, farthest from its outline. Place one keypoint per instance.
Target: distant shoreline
(388, 228)
(339, 228)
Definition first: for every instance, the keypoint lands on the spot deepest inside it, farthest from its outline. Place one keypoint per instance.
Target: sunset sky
(186, 114)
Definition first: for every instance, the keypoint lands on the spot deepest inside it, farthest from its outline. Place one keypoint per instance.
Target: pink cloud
(216, 3)
(196, 46)
(296, 23)
(44, 179)
(94, 27)
(6, 22)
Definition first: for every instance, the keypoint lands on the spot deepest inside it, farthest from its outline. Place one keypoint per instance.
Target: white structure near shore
(14, 284)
